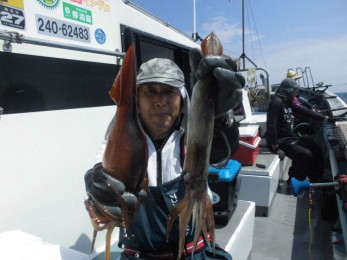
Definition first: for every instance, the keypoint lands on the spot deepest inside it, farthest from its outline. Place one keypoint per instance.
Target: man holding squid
(163, 104)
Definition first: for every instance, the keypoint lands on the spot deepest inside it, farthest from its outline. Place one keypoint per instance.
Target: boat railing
(320, 88)
(259, 96)
(11, 37)
(307, 78)
(266, 80)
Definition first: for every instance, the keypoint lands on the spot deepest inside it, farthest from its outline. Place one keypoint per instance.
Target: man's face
(159, 107)
(296, 92)
(291, 95)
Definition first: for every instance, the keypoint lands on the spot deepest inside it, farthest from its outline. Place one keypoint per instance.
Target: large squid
(196, 203)
(125, 158)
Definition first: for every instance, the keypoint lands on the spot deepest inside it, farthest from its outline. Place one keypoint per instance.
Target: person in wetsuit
(163, 103)
(306, 155)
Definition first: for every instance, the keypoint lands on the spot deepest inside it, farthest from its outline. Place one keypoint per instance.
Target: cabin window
(150, 46)
(149, 51)
(32, 83)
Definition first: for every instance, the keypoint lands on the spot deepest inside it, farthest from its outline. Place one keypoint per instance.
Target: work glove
(280, 154)
(229, 84)
(108, 199)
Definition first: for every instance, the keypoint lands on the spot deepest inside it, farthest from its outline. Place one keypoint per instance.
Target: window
(32, 83)
(149, 47)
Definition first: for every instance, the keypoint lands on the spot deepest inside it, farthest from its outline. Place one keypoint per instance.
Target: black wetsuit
(306, 155)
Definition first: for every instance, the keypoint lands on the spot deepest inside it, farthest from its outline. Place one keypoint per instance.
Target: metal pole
(324, 184)
(11, 37)
(194, 21)
(243, 33)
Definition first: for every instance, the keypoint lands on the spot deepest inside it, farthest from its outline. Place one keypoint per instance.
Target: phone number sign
(62, 29)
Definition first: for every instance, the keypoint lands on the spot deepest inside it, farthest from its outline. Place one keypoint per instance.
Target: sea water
(342, 95)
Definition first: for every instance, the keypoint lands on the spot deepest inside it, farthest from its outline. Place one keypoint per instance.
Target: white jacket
(170, 154)
(170, 159)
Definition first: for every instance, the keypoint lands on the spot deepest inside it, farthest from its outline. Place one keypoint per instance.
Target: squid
(125, 158)
(196, 203)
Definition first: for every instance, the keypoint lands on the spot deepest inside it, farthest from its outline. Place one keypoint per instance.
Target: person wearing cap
(291, 74)
(163, 104)
(301, 117)
(307, 158)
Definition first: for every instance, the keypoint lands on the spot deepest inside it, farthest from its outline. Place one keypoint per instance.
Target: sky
(308, 35)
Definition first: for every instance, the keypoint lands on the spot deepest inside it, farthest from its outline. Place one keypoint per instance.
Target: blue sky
(278, 34)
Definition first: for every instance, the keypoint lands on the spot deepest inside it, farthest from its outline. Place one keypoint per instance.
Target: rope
(297, 126)
(310, 227)
(256, 30)
(310, 222)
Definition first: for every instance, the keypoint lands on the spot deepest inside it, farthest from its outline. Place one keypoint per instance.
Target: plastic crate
(224, 186)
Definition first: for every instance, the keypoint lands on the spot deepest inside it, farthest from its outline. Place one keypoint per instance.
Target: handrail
(268, 87)
(14, 37)
(335, 172)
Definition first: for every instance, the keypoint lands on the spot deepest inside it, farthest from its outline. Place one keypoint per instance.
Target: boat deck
(285, 233)
(290, 231)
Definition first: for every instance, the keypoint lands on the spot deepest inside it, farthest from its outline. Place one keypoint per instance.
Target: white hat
(292, 75)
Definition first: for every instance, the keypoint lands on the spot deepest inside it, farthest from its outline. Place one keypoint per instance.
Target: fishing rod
(332, 110)
(338, 117)
(337, 85)
(321, 85)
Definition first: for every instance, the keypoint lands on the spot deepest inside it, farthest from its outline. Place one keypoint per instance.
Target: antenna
(194, 21)
(243, 56)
